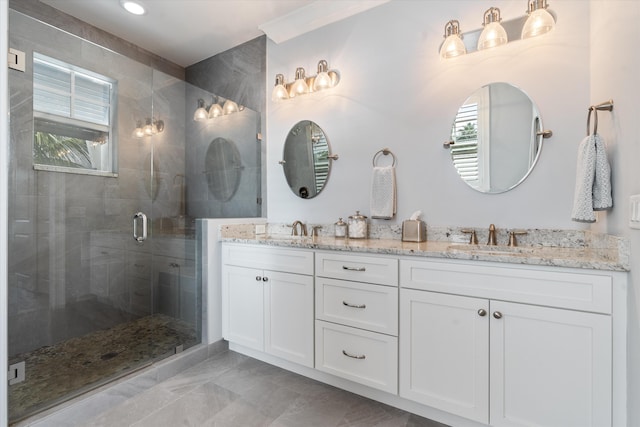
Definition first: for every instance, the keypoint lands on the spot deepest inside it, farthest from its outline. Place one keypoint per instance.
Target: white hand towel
(383, 192)
(593, 180)
(602, 181)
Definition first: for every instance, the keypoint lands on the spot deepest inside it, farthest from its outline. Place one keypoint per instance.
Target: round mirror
(306, 159)
(223, 169)
(496, 138)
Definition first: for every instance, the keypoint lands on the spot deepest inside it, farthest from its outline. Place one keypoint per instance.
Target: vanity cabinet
(357, 318)
(267, 296)
(507, 346)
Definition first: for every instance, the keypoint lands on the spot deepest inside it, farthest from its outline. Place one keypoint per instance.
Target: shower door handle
(136, 217)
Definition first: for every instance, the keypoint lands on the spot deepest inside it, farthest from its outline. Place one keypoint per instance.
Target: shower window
(73, 110)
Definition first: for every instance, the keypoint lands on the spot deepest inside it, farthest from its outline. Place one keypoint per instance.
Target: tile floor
(230, 389)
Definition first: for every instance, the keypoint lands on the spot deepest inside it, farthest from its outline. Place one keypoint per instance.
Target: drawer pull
(345, 267)
(497, 315)
(354, 305)
(361, 357)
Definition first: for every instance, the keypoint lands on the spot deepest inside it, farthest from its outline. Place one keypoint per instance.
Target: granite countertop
(581, 250)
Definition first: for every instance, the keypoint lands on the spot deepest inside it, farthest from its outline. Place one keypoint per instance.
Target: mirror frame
(534, 146)
(306, 132)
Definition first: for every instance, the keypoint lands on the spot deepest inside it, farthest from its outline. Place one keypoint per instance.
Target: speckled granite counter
(573, 249)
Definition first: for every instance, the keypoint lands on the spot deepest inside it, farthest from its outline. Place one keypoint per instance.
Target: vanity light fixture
(151, 127)
(453, 45)
(302, 84)
(539, 20)
(203, 113)
(133, 7)
(494, 33)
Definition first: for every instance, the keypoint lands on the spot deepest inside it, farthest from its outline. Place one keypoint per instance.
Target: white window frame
(103, 157)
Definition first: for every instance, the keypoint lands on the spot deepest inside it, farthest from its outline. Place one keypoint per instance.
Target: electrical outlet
(634, 211)
(261, 228)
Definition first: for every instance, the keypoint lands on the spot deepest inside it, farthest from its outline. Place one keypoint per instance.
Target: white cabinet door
(549, 367)
(444, 352)
(289, 316)
(243, 306)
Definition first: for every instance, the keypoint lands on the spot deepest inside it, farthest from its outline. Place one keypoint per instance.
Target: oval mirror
(306, 160)
(496, 138)
(223, 169)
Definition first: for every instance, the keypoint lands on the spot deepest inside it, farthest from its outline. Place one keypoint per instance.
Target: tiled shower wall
(59, 256)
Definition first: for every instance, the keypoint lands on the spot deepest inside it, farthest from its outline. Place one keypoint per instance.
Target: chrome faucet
(492, 235)
(294, 228)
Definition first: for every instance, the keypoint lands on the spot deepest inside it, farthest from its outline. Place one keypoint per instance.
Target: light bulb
(299, 87)
(149, 128)
(279, 90)
(323, 79)
(133, 7)
(493, 34)
(539, 22)
(452, 45)
(201, 113)
(230, 107)
(215, 110)
(138, 132)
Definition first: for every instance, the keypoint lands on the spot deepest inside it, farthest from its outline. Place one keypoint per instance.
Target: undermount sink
(494, 250)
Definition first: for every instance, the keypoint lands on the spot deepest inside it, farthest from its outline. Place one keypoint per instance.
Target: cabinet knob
(265, 279)
(482, 312)
(497, 315)
(258, 278)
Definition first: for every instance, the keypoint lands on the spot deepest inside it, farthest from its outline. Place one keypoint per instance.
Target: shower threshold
(57, 373)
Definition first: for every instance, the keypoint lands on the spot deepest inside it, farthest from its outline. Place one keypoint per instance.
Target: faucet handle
(512, 237)
(314, 230)
(473, 239)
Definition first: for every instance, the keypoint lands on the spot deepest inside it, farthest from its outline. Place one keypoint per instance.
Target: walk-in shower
(103, 258)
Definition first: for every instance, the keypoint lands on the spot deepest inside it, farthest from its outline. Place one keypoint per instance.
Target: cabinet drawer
(588, 292)
(383, 271)
(362, 305)
(364, 357)
(270, 258)
(139, 265)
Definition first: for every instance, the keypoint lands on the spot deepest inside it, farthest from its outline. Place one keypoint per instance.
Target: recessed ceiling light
(133, 7)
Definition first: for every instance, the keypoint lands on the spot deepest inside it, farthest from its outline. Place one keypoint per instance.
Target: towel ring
(386, 152)
(595, 123)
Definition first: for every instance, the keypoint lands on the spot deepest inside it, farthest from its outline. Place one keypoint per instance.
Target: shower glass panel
(88, 303)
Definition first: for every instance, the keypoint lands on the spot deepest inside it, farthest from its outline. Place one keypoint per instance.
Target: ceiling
(188, 31)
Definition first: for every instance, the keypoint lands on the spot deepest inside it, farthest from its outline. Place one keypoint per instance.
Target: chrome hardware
(473, 239)
(142, 216)
(16, 373)
(333, 157)
(512, 237)
(448, 144)
(545, 133)
(482, 312)
(258, 279)
(360, 357)
(345, 267)
(497, 315)
(492, 235)
(294, 228)
(265, 279)
(354, 305)
(282, 162)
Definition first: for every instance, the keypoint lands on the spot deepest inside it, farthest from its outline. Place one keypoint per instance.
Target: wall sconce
(203, 113)
(324, 79)
(453, 45)
(151, 127)
(495, 32)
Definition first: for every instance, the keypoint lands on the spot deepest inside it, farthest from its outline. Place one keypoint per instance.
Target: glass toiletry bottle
(357, 226)
(341, 228)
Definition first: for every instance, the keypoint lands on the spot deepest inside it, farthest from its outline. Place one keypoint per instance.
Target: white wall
(615, 61)
(4, 156)
(396, 92)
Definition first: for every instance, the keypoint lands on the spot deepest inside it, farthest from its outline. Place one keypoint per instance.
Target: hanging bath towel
(383, 192)
(593, 180)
